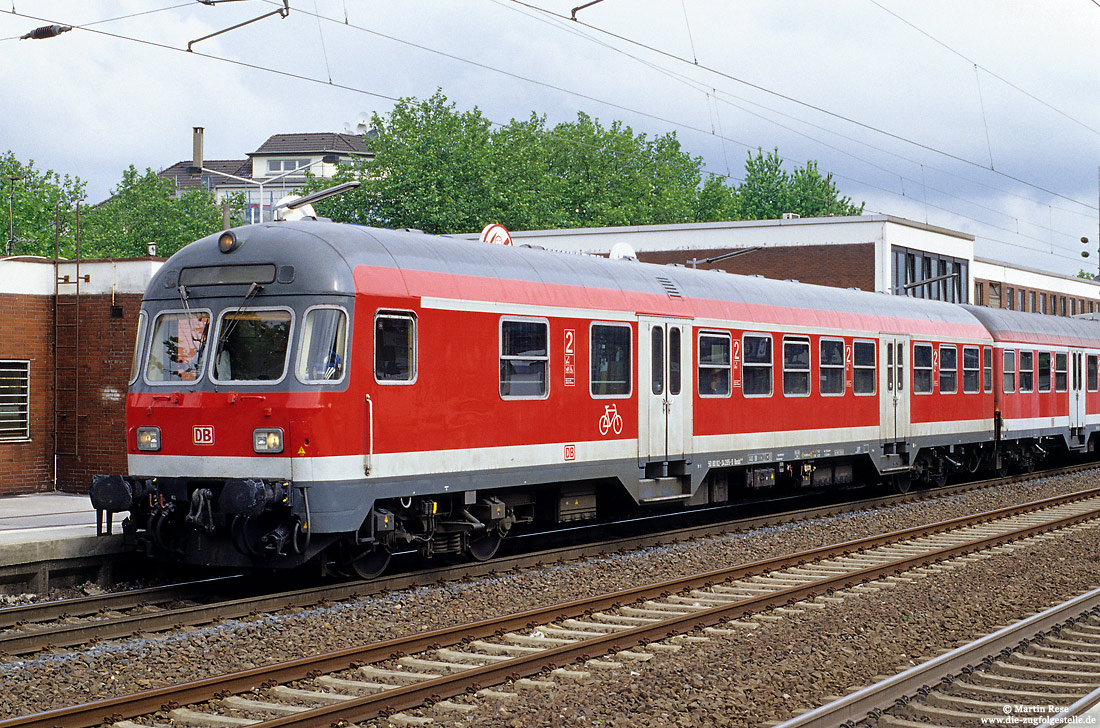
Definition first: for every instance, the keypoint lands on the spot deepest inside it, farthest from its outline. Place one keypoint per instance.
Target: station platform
(49, 540)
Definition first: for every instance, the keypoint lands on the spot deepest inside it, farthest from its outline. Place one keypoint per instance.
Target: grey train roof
(1006, 325)
(325, 254)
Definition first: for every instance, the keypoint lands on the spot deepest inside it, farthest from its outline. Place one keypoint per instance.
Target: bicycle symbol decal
(611, 420)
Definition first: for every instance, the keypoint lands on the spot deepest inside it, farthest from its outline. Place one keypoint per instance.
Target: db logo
(203, 434)
(570, 452)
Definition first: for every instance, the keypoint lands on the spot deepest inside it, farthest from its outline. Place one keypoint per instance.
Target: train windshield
(252, 345)
(178, 347)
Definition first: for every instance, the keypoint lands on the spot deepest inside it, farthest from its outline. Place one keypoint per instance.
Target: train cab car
(1047, 388)
(309, 391)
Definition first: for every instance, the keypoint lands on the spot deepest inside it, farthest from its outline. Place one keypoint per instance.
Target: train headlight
(268, 439)
(148, 439)
(227, 241)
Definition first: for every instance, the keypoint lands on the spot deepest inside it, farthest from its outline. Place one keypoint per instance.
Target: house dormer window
(278, 166)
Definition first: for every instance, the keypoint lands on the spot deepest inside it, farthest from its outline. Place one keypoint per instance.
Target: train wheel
(902, 482)
(371, 562)
(485, 547)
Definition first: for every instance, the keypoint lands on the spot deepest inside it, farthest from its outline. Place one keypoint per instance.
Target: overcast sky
(980, 116)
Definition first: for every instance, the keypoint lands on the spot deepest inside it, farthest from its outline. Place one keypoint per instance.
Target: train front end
(241, 358)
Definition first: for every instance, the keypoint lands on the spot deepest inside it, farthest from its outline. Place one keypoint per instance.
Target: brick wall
(26, 325)
(91, 392)
(842, 266)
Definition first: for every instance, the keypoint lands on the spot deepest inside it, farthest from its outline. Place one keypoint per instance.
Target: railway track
(564, 641)
(31, 628)
(1042, 670)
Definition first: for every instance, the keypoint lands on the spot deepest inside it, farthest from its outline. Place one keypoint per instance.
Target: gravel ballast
(65, 678)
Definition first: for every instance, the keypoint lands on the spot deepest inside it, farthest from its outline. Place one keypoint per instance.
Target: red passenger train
(309, 390)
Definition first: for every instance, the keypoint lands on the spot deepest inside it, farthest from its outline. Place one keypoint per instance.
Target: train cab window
(949, 369)
(922, 369)
(252, 345)
(524, 359)
(864, 373)
(757, 367)
(987, 369)
(395, 348)
(1044, 371)
(139, 344)
(1009, 384)
(714, 364)
(1027, 371)
(323, 352)
(972, 369)
(1092, 376)
(178, 347)
(609, 360)
(831, 367)
(796, 367)
(1060, 372)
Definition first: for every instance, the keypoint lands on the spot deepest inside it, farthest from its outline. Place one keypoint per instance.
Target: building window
(1073, 307)
(609, 360)
(1027, 371)
(979, 294)
(831, 366)
(1044, 371)
(1043, 302)
(1009, 384)
(524, 359)
(1060, 372)
(994, 294)
(714, 364)
(1062, 305)
(864, 375)
(1031, 302)
(757, 372)
(15, 400)
(912, 268)
(972, 368)
(1021, 300)
(1010, 298)
(395, 347)
(922, 369)
(949, 369)
(278, 166)
(796, 367)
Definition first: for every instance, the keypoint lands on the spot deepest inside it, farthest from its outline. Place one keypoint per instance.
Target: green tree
(143, 210)
(768, 190)
(42, 204)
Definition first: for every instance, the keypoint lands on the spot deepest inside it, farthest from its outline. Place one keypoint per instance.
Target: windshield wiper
(224, 335)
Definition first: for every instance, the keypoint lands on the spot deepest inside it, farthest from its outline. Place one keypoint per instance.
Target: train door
(894, 386)
(664, 392)
(1077, 389)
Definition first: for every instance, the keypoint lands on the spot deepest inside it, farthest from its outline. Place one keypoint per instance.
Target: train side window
(1060, 372)
(322, 355)
(796, 367)
(1009, 383)
(1027, 371)
(610, 361)
(987, 369)
(831, 367)
(864, 373)
(1092, 373)
(714, 364)
(922, 369)
(394, 348)
(757, 366)
(972, 368)
(657, 357)
(949, 369)
(139, 345)
(524, 359)
(1044, 371)
(674, 353)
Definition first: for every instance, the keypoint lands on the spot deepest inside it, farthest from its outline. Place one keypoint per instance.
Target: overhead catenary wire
(390, 98)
